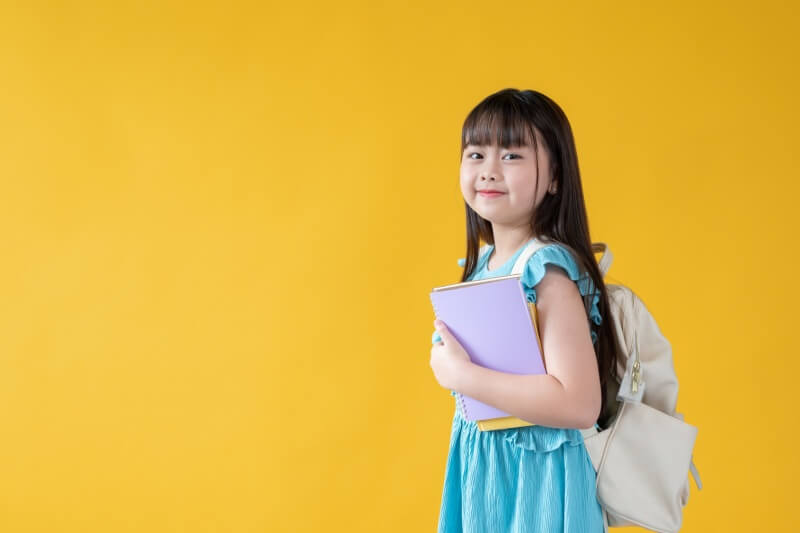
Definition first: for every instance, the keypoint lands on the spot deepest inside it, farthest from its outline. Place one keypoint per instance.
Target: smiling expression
(511, 171)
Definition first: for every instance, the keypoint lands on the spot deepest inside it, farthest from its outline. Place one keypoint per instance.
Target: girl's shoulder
(561, 256)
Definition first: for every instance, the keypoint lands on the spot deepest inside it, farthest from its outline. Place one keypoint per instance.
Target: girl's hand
(449, 359)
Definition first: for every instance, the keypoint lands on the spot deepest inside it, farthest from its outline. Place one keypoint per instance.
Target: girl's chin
(494, 216)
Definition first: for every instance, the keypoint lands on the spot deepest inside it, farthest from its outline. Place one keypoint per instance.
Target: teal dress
(533, 479)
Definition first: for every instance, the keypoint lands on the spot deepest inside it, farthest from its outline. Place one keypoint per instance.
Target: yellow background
(221, 223)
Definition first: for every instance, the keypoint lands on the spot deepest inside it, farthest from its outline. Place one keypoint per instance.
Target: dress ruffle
(544, 439)
(535, 438)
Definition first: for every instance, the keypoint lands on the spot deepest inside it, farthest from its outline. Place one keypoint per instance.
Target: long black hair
(512, 118)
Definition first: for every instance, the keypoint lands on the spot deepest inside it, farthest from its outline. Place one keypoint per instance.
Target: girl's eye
(469, 156)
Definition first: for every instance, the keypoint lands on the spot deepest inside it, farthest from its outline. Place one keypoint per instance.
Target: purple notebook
(492, 321)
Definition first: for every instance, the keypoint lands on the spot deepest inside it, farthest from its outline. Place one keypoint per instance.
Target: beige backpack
(644, 456)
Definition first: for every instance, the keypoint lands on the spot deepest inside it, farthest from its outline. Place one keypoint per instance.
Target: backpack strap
(529, 250)
(696, 475)
(605, 261)
(604, 264)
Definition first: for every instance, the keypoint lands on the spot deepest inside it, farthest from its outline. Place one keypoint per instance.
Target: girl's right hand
(449, 360)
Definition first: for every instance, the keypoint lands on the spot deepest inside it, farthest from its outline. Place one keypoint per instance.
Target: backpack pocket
(642, 462)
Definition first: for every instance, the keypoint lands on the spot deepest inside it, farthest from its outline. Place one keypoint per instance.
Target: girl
(520, 181)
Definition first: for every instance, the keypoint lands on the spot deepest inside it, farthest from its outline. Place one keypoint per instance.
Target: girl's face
(512, 171)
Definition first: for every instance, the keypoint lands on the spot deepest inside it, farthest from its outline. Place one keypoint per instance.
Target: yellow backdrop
(221, 224)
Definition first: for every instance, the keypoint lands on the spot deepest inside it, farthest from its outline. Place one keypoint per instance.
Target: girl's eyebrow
(470, 145)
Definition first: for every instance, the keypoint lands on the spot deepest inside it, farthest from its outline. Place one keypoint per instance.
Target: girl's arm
(568, 396)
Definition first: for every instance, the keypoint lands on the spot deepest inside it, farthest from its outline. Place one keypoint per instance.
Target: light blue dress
(533, 479)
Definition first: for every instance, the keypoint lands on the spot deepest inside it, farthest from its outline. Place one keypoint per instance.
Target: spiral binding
(462, 405)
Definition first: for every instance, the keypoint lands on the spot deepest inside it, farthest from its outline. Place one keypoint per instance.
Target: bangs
(501, 123)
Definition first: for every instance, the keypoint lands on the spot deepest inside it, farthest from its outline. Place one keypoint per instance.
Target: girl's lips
(490, 194)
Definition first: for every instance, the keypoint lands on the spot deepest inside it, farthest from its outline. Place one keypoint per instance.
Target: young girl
(520, 181)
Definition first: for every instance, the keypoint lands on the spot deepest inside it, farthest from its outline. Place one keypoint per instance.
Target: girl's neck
(506, 243)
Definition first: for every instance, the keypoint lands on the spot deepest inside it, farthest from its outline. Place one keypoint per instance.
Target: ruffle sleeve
(557, 255)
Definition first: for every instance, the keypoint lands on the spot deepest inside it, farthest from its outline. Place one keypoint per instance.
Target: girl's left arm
(568, 396)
